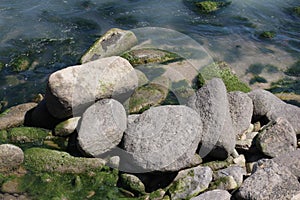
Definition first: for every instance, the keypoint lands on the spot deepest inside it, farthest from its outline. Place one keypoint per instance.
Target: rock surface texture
(11, 157)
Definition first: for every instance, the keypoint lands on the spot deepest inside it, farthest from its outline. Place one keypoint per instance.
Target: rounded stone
(11, 157)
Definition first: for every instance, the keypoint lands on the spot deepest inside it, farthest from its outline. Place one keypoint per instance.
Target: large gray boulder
(291, 160)
(190, 182)
(241, 110)
(277, 138)
(102, 127)
(269, 181)
(163, 138)
(112, 43)
(268, 105)
(236, 172)
(212, 105)
(11, 157)
(73, 89)
(214, 195)
(15, 116)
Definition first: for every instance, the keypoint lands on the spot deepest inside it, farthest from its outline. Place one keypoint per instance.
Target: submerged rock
(113, 43)
(212, 105)
(11, 157)
(73, 89)
(277, 138)
(102, 127)
(190, 182)
(163, 138)
(15, 116)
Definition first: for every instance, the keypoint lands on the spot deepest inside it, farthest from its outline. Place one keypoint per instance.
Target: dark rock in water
(211, 103)
(15, 116)
(113, 43)
(277, 138)
(241, 110)
(268, 105)
(39, 116)
(269, 181)
(11, 157)
(190, 182)
(71, 90)
(102, 127)
(213, 195)
(163, 138)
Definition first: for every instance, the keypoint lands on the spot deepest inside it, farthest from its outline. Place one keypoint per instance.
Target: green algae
(267, 34)
(210, 6)
(20, 63)
(296, 10)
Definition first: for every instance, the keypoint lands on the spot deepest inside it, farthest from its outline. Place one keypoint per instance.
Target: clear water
(55, 33)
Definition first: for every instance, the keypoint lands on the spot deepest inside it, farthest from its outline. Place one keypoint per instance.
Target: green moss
(45, 160)
(216, 165)
(27, 136)
(257, 79)
(132, 183)
(1, 65)
(296, 10)
(210, 6)
(3, 136)
(177, 186)
(267, 34)
(20, 63)
(294, 70)
(5, 112)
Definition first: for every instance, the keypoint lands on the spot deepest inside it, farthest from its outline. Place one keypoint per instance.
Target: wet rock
(113, 43)
(146, 56)
(269, 181)
(212, 105)
(73, 89)
(190, 182)
(102, 127)
(277, 138)
(15, 116)
(67, 127)
(132, 183)
(45, 160)
(241, 110)
(268, 105)
(11, 157)
(213, 195)
(39, 116)
(163, 138)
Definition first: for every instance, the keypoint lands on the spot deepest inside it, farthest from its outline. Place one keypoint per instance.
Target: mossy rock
(150, 56)
(20, 63)
(27, 136)
(216, 165)
(210, 6)
(3, 136)
(224, 183)
(296, 10)
(223, 71)
(132, 183)
(2, 65)
(146, 96)
(45, 160)
(267, 34)
(294, 70)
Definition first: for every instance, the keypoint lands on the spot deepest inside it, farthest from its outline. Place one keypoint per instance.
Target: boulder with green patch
(132, 183)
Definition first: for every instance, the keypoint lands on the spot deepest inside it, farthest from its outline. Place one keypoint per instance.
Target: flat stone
(278, 138)
(72, 90)
(212, 105)
(163, 138)
(102, 126)
(11, 157)
(190, 182)
(15, 116)
(113, 43)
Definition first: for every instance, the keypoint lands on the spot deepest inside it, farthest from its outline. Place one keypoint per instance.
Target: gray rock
(211, 103)
(163, 138)
(11, 157)
(214, 195)
(102, 126)
(278, 138)
(269, 181)
(15, 116)
(236, 172)
(66, 127)
(290, 160)
(224, 183)
(267, 104)
(112, 43)
(73, 89)
(190, 182)
(132, 118)
(241, 110)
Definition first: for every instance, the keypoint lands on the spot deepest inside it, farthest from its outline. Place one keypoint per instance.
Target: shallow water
(55, 33)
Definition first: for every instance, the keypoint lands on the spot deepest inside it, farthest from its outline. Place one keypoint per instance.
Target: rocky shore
(121, 125)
